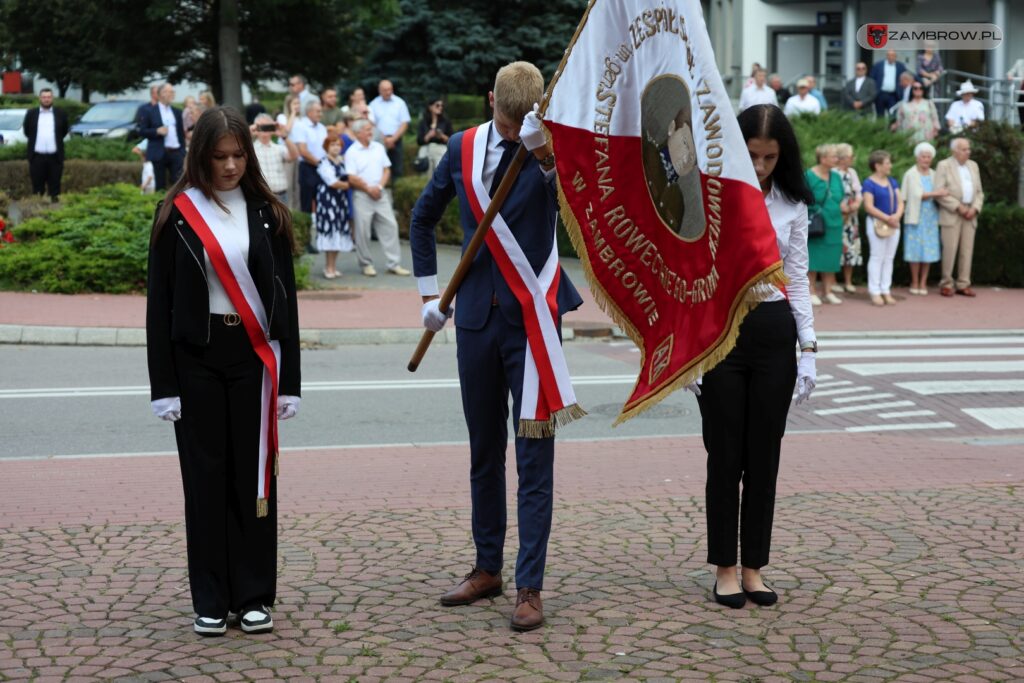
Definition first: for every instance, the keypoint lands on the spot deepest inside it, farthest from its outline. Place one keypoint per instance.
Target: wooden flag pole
(472, 248)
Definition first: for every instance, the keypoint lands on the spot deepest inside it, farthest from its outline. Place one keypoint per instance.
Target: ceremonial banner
(657, 188)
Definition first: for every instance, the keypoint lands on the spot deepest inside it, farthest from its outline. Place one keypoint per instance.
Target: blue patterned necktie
(506, 159)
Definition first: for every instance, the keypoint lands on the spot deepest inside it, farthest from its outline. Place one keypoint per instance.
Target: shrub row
(79, 175)
(92, 149)
(74, 108)
(92, 242)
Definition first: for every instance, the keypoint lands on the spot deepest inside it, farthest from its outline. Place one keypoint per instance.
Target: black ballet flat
(763, 598)
(734, 601)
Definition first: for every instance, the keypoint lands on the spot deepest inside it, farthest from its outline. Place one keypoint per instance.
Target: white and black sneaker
(256, 620)
(207, 626)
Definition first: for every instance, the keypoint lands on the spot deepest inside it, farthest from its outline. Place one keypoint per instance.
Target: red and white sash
(548, 397)
(233, 273)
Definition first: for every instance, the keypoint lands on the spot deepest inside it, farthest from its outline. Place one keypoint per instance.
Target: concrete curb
(43, 335)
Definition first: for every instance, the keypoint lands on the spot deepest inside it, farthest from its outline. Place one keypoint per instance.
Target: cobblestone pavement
(896, 558)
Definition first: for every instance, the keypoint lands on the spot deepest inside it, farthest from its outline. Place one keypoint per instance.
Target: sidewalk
(896, 558)
(386, 309)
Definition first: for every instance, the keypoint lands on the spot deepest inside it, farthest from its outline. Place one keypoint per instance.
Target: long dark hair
(214, 124)
(767, 121)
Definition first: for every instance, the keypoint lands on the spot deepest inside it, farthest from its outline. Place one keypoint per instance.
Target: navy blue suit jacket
(149, 121)
(530, 210)
(878, 74)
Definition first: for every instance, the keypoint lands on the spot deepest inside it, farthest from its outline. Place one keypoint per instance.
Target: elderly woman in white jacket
(920, 218)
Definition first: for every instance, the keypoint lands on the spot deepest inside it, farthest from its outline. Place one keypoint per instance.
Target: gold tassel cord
(277, 463)
(262, 508)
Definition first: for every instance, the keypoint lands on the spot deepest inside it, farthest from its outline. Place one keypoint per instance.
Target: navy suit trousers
(491, 362)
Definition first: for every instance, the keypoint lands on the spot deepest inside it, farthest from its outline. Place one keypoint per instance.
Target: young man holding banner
(507, 328)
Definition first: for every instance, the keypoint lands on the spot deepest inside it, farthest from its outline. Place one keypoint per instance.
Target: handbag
(882, 230)
(816, 224)
(422, 162)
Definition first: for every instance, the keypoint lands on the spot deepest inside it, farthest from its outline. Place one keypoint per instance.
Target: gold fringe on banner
(749, 296)
(277, 463)
(262, 509)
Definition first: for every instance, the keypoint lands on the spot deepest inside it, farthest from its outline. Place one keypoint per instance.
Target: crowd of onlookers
(934, 212)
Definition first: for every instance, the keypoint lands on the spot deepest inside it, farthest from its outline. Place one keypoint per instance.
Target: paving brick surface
(896, 558)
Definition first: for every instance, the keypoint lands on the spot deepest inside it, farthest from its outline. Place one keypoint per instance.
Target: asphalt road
(68, 401)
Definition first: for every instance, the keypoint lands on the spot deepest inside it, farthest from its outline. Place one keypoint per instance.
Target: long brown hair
(214, 124)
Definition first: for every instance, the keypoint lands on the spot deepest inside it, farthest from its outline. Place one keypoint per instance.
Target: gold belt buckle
(232, 319)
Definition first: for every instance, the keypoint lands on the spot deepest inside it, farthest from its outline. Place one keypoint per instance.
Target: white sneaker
(398, 270)
(207, 626)
(833, 299)
(257, 620)
(369, 271)
(838, 289)
(815, 301)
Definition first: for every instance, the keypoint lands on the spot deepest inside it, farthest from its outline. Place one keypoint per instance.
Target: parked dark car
(113, 119)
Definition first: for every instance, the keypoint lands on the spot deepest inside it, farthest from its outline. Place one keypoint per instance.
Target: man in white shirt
(45, 128)
(391, 117)
(308, 135)
(758, 92)
(958, 215)
(886, 75)
(369, 169)
(274, 157)
(162, 125)
(803, 102)
(967, 112)
(297, 86)
(860, 91)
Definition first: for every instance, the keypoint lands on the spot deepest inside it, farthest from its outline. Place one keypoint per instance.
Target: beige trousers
(958, 237)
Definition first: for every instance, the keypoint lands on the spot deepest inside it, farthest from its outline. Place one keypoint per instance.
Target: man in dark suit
(491, 332)
(45, 128)
(886, 75)
(860, 91)
(161, 124)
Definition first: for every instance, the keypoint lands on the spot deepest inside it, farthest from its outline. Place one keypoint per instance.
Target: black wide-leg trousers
(744, 402)
(232, 553)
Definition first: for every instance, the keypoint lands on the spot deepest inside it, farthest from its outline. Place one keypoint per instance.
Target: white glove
(287, 406)
(167, 408)
(806, 375)
(433, 318)
(694, 387)
(531, 133)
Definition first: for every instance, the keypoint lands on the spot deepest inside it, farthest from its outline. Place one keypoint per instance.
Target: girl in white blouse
(744, 400)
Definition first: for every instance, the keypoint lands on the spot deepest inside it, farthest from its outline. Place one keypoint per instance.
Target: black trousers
(45, 171)
(232, 553)
(397, 158)
(171, 164)
(308, 180)
(743, 405)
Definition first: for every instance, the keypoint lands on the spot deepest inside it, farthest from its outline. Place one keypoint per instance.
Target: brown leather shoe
(946, 291)
(529, 612)
(477, 584)
(966, 291)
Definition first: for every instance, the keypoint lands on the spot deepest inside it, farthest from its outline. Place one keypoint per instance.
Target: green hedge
(997, 148)
(999, 246)
(91, 149)
(79, 175)
(92, 242)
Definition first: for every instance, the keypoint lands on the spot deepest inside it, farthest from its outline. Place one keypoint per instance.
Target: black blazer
(60, 130)
(178, 303)
(149, 121)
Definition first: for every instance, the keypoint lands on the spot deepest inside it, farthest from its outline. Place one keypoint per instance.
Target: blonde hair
(824, 150)
(516, 88)
(844, 150)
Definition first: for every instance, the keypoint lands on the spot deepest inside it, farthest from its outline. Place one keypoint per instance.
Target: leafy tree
(101, 45)
(437, 46)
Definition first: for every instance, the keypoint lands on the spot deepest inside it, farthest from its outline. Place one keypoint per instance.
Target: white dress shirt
(789, 219)
(858, 82)
(966, 183)
(390, 113)
(167, 116)
(367, 162)
(888, 77)
(232, 232)
(754, 95)
(963, 114)
(46, 136)
(808, 104)
(313, 134)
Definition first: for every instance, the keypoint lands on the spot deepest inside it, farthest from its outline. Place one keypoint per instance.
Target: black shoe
(762, 598)
(209, 626)
(734, 600)
(256, 620)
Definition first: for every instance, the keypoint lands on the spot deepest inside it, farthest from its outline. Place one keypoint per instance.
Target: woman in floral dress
(851, 257)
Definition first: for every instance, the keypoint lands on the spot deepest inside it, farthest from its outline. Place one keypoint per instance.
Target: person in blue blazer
(886, 75)
(161, 124)
(490, 331)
